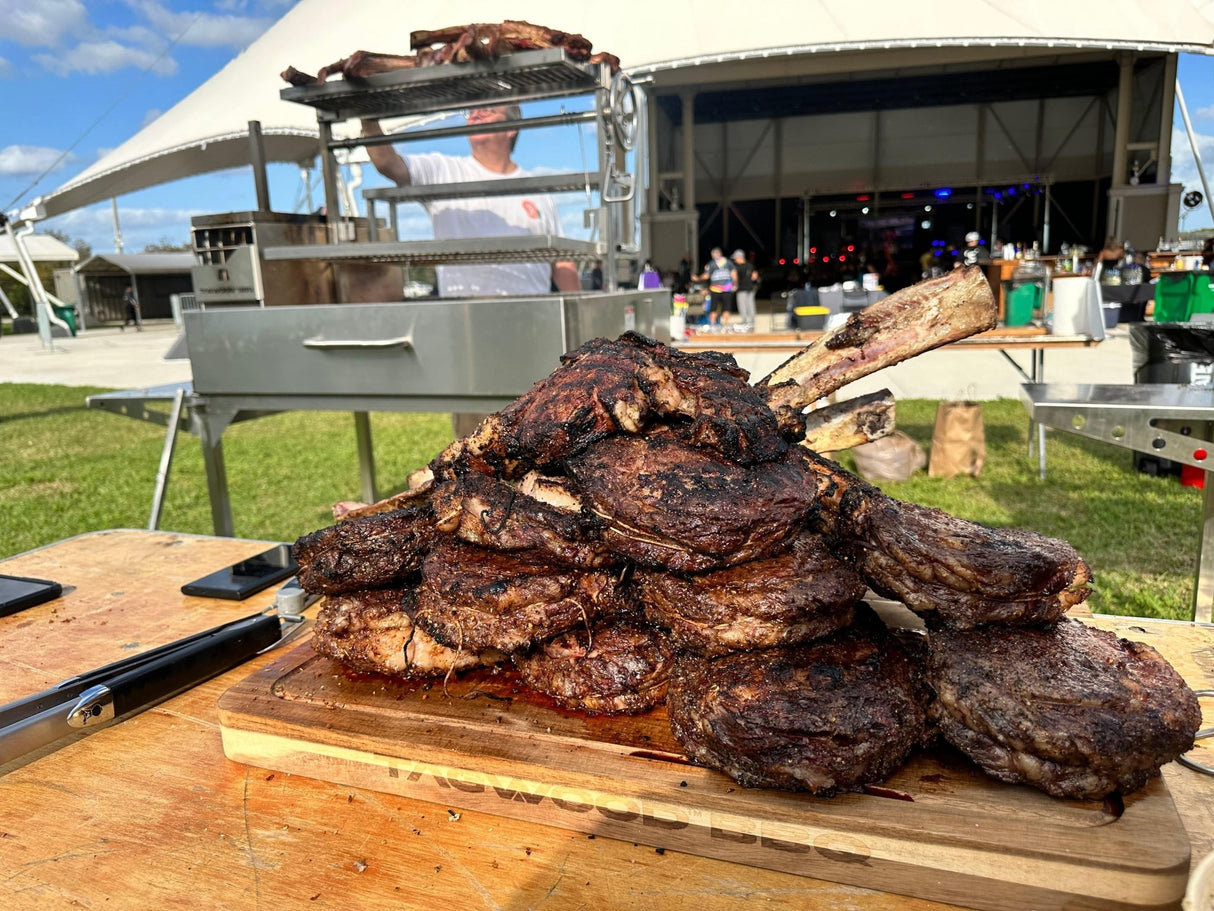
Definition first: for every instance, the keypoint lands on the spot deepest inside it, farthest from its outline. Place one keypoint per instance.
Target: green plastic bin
(1202, 295)
(1173, 297)
(1020, 303)
(68, 315)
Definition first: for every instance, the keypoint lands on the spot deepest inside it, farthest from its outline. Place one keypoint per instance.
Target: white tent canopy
(42, 249)
(208, 130)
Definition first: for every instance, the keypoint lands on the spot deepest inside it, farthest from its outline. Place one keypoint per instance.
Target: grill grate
(517, 77)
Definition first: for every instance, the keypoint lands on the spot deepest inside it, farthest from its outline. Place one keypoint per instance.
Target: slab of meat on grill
(373, 631)
(827, 716)
(459, 44)
(804, 593)
(377, 550)
(1070, 709)
(504, 516)
(669, 506)
(949, 571)
(471, 598)
(619, 666)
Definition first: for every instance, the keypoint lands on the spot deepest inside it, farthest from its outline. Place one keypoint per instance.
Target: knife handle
(194, 663)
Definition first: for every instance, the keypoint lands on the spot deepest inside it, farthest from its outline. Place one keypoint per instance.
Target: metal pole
(117, 229)
(366, 456)
(257, 158)
(1188, 128)
(166, 460)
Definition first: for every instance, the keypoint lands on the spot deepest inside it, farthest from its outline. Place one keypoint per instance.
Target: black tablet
(18, 592)
(238, 581)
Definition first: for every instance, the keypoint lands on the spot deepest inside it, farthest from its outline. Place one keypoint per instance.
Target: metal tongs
(127, 687)
(1200, 735)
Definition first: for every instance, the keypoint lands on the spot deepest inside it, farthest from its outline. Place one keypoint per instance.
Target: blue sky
(78, 79)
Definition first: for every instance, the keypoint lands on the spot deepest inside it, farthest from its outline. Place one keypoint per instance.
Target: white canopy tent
(678, 42)
(42, 248)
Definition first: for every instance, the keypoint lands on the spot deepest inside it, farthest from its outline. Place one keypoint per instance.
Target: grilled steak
(1069, 709)
(379, 550)
(373, 631)
(950, 571)
(619, 666)
(470, 598)
(500, 515)
(828, 716)
(623, 385)
(668, 505)
(802, 594)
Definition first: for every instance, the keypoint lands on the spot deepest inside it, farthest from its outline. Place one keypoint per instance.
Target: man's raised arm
(385, 158)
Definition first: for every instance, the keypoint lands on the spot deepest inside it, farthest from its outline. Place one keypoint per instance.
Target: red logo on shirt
(530, 208)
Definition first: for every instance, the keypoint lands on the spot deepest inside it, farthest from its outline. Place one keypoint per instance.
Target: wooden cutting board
(939, 829)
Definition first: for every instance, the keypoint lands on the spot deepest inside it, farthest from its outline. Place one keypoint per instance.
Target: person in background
(746, 279)
(973, 253)
(1207, 253)
(1111, 254)
(486, 216)
(682, 276)
(719, 274)
(131, 304)
(596, 276)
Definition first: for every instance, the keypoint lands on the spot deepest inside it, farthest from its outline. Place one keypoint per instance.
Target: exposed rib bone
(908, 322)
(851, 423)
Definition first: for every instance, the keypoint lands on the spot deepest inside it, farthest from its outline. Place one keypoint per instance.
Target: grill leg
(166, 460)
(366, 456)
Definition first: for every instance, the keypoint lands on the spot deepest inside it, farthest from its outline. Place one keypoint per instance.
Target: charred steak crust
(823, 717)
(372, 551)
(802, 594)
(1070, 709)
(953, 572)
(620, 666)
(668, 505)
(373, 631)
(609, 386)
(495, 514)
(473, 599)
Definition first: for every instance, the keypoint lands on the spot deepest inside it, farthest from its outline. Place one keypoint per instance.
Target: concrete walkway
(108, 356)
(128, 359)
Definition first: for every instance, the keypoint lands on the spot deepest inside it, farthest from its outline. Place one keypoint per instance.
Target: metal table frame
(208, 416)
(1036, 340)
(1169, 420)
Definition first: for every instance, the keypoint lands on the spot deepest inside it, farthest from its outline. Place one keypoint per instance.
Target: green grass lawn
(67, 469)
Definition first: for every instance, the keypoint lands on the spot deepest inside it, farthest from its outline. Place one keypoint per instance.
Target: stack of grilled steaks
(647, 527)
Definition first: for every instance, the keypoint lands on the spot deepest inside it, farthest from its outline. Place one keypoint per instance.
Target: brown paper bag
(894, 457)
(958, 440)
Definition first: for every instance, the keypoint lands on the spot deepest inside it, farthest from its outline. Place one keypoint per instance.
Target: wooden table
(150, 814)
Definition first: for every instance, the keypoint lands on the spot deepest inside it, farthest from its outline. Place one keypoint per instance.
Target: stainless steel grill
(364, 354)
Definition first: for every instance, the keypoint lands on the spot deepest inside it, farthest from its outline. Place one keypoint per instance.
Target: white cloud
(1206, 113)
(42, 24)
(6, 68)
(201, 29)
(26, 161)
(96, 57)
(139, 226)
(151, 115)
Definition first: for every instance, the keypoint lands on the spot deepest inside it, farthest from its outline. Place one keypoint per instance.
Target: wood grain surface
(150, 813)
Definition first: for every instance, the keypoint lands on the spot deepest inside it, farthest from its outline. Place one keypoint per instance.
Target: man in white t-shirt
(486, 216)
